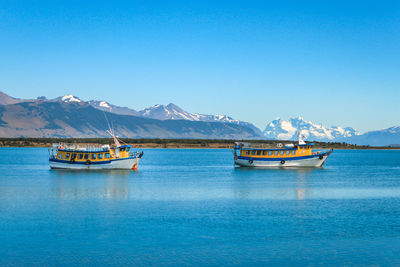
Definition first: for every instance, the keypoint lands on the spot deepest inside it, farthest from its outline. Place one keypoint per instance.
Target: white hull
(128, 163)
(309, 162)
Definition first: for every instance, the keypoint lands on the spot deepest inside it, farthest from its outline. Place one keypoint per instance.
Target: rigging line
(123, 142)
(108, 123)
(112, 129)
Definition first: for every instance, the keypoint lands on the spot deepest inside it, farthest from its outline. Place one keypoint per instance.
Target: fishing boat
(94, 156)
(301, 154)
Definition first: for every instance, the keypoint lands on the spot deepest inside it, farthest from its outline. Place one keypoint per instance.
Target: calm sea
(193, 207)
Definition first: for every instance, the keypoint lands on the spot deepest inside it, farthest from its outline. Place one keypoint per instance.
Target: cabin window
(86, 156)
(80, 156)
(59, 156)
(67, 156)
(294, 152)
(258, 152)
(122, 149)
(270, 153)
(276, 153)
(127, 149)
(107, 155)
(253, 152)
(247, 152)
(93, 156)
(288, 152)
(100, 156)
(282, 152)
(264, 152)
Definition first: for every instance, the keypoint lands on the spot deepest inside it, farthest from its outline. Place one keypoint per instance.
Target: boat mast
(110, 131)
(115, 138)
(301, 141)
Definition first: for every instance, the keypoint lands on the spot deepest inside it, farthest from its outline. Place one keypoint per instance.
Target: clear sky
(332, 62)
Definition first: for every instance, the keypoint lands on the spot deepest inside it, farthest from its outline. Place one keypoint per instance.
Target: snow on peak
(70, 98)
(162, 112)
(104, 104)
(174, 112)
(287, 129)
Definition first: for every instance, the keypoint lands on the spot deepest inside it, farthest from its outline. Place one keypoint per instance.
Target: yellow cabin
(299, 155)
(80, 156)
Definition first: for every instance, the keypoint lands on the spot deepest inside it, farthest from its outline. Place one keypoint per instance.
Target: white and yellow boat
(93, 157)
(290, 155)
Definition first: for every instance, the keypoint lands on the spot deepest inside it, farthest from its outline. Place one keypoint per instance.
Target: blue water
(192, 207)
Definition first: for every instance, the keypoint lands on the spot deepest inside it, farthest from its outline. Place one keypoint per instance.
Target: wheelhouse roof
(279, 149)
(85, 151)
(95, 150)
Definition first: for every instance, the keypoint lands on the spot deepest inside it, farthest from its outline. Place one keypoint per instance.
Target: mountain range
(288, 129)
(69, 116)
(385, 137)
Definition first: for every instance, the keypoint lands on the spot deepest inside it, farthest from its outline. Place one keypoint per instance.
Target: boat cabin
(286, 152)
(89, 153)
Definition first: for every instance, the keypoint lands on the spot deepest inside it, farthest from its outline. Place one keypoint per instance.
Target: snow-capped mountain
(173, 112)
(98, 104)
(287, 130)
(163, 128)
(103, 105)
(168, 112)
(158, 112)
(68, 98)
(69, 116)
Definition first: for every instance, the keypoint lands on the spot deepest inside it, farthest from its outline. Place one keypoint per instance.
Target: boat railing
(81, 147)
(260, 145)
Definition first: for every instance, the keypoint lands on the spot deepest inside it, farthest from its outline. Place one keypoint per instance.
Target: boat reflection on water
(303, 191)
(112, 184)
(266, 183)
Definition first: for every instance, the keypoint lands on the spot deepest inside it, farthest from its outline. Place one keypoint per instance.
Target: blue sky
(332, 62)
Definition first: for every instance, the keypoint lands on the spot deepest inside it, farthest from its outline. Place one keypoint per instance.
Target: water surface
(193, 207)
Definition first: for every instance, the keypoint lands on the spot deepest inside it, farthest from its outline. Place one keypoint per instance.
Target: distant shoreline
(171, 143)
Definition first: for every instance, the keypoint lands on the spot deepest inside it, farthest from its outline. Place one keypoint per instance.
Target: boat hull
(116, 164)
(310, 161)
